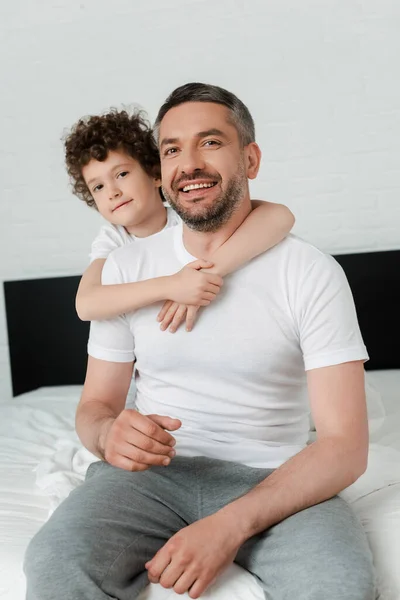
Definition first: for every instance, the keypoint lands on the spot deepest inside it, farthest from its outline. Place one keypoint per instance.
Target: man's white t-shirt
(111, 237)
(237, 381)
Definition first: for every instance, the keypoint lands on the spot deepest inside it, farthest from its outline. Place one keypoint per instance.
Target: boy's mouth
(121, 204)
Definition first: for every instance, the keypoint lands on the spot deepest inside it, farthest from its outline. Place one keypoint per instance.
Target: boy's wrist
(165, 287)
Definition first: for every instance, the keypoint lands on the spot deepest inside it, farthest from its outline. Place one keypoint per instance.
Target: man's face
(202, 164)
(123, 192)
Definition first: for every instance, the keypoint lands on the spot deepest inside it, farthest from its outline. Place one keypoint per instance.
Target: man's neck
(204, 244)
(149, 226)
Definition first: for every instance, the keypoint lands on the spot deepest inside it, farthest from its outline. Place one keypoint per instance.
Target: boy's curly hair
(94, 137)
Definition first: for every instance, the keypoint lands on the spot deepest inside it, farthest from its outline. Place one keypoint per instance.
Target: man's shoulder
(297, 249)
(299, 258)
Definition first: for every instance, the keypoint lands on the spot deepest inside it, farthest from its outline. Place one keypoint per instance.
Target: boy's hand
(135, 442)
(189, 290)
(194, 287)
(173, 314)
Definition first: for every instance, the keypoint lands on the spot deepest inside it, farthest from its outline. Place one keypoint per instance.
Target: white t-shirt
(111, 237)
(237, 381)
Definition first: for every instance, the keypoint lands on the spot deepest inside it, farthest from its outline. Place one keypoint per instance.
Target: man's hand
(194, 557)
(135, 442)
(192, 286)
(173, 314)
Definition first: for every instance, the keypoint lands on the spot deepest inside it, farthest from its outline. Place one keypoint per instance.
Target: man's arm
(122, 437)
(334, 461)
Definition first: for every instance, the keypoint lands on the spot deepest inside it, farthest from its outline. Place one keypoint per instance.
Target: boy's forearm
(267, 225)
(99, 302)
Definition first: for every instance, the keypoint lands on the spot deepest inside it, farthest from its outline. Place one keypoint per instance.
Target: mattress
(38, 445)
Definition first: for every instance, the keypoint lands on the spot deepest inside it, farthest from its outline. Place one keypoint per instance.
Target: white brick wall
(321, 79)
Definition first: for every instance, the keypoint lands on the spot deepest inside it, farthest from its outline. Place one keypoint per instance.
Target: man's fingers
(166, 306)
(123, 462)
(157, 565)
(199, 586)
(151, 445)
(185, 582)
(153, 426)
(140, 457)
(178, 318)
(166, 423)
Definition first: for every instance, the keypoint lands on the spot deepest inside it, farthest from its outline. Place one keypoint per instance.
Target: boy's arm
(96, 302)
(267, 225)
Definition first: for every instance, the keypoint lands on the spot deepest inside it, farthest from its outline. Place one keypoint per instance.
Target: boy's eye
(123, 174)
(98, 187)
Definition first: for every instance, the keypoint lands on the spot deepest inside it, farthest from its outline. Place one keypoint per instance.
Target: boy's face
(123, 192)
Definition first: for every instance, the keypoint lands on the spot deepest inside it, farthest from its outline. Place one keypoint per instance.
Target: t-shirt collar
(183, 255)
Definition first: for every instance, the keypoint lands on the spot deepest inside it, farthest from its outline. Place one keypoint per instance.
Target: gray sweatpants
(95, 545)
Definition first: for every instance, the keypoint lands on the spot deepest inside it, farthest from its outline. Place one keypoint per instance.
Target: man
(235, 479)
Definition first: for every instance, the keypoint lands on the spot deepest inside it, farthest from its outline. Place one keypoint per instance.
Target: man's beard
(211, 218)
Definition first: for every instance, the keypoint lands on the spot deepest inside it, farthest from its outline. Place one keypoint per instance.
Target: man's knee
(55, 559)
(354, 581)
(41, 565)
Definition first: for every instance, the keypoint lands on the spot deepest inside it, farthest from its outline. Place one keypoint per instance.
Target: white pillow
(375, 407)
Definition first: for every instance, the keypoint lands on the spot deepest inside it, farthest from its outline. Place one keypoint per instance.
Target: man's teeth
(196, 186)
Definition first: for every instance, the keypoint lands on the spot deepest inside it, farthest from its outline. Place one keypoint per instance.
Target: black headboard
(46, 338)
(48, 342)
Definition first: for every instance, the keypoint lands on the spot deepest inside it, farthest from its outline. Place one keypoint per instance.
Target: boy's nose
(114, 192)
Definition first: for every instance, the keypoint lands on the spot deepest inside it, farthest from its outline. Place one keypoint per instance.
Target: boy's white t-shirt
(111, 237)
(237, 381)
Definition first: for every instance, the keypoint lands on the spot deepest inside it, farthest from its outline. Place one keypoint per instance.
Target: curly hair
(93, 137)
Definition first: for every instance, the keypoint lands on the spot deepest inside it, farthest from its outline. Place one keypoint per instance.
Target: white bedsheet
(34, 425)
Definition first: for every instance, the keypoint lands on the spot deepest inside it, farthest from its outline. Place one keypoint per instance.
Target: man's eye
(98, 187)
(211, 143)
(170, 151)
(123, 174)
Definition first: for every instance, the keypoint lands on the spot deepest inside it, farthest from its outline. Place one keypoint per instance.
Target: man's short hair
(93, 137)
(240, 115)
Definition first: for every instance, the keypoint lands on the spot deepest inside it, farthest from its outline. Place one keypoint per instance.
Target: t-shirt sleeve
(112, 339)
(107, 240)
(328, 326)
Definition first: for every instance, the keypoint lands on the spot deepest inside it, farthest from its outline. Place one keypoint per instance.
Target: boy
(114, 166)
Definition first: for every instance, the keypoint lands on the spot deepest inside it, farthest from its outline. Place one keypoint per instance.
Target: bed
(40, 455)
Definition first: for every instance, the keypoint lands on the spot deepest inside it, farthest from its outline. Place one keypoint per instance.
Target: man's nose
(191, 161)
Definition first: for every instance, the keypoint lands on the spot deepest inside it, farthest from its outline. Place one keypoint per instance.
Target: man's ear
(253, 159)
(157, 181)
